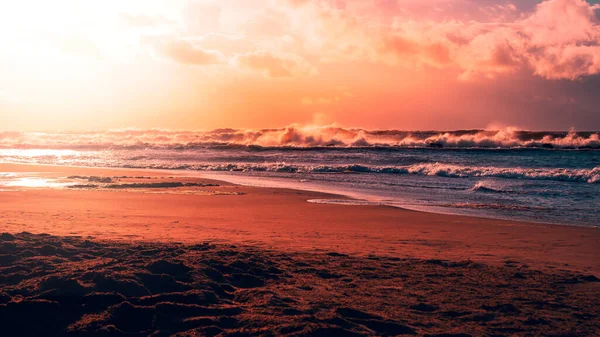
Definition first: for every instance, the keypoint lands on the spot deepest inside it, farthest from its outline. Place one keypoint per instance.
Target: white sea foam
(433, 169)
(426, 169)
(559, 174)
(485, 186)
(348, 202)
(301, 136)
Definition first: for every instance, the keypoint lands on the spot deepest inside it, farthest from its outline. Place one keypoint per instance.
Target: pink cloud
(563, 39)
(559, 40)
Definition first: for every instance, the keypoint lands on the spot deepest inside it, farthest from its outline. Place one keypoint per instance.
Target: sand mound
(65, 286)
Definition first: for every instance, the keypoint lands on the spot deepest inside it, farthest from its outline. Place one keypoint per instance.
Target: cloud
(560, 39)
(185, 52)
(415, 51)
(563, 39)
(271, 65)
(568, 62)
(557, 39)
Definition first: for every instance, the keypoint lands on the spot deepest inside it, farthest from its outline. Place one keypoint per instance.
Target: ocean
(549, 177)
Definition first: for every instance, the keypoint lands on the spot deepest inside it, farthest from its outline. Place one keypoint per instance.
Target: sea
(547, 177)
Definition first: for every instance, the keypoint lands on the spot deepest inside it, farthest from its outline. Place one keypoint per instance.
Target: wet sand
(281, 219)
(338, 269)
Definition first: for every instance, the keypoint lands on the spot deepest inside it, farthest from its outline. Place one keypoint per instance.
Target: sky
(379, 64)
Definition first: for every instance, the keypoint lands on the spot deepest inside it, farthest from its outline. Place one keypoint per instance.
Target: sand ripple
(66, 286)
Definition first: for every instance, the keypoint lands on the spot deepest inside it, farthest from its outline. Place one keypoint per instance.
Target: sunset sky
(404, 64)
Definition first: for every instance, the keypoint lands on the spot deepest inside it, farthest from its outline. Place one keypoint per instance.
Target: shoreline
(369, 199)
(231, 179)
(222, 178)
(283, 219)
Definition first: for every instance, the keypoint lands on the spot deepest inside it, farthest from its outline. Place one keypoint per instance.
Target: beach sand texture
(151, 252)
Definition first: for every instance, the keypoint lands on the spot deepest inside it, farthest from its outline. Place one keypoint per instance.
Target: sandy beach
(293, 168)
(193, 256)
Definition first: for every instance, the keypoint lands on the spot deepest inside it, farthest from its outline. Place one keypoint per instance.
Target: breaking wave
(425, 169)
(482, 186)
(296, 136)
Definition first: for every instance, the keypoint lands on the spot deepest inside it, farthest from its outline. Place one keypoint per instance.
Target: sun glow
(31, 153)
(67, 63)
(203, 64)
(34, 183)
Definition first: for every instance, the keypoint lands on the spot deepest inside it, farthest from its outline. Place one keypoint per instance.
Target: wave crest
(427, 169)
(302, 137)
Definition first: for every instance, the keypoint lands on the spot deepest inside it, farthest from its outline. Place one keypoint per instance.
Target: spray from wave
(486, 187)
(296, 136)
